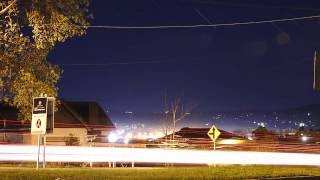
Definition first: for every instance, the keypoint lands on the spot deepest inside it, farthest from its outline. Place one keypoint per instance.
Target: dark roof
(262, 132)
(88, 114)
(197, 136)
(7, 112)
(202, 133)
(8, 119)
(70, 114)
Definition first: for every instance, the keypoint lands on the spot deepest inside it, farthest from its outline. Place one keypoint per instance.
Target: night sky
(265, 66)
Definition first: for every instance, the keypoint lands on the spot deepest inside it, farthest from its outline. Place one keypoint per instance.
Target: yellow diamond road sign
(213, 133)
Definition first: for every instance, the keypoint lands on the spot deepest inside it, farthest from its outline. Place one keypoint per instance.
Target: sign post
(214, 133)
(42, 121)
(44, 151)
(39, 120)
(38, 159)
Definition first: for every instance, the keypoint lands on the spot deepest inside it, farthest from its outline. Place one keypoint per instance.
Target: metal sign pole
(38, 151)
(44, 151)
(90, 148)
(214, 151)
(213, 134)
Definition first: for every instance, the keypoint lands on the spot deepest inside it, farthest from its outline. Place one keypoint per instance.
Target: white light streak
(143, 155)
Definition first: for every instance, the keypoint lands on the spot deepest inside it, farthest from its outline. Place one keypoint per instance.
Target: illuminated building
(74, 121)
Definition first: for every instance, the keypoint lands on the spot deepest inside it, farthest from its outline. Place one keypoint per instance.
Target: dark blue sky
(265, 66)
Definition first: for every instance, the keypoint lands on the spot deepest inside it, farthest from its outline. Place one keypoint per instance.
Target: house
(198, 137)
(263, 134)
(75, 123)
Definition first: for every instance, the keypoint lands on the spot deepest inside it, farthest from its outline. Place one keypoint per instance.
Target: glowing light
(121, 131)
(144, 155)
(139, 136)
(304, 138)
(261, 124)
(126, 141)
(128, 136)
(113, 137)
(231, 141)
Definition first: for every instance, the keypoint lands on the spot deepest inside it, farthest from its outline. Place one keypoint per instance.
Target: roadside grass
(219, 172)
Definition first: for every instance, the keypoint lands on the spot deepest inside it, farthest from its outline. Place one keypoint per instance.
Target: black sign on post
(40, 106)
(43, 115)
(39, 115)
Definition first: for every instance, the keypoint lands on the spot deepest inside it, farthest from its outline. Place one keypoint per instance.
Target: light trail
(146, 155)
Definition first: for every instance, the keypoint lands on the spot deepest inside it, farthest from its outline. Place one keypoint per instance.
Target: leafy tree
(29, 30)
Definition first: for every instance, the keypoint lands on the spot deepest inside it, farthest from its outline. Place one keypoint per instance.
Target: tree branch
(8, 7)
(182, 116)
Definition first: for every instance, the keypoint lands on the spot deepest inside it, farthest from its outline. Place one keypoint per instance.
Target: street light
(304, 138)
(112, 137)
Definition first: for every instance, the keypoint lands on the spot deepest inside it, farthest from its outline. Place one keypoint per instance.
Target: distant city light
(128, 136)
(126, 141)
(301, 124)
(120, 131)
(304, 138)
(261, 124)
(113, 137)
(127, 133)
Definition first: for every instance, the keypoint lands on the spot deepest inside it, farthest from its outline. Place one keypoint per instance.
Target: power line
(117, 63)
(223, 3)
(203, 25)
